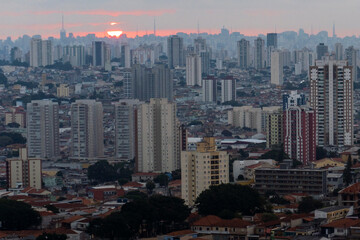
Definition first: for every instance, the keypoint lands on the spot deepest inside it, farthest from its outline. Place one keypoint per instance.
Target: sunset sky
(18, 17)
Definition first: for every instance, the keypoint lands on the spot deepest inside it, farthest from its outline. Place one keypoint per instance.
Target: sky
(250, 17)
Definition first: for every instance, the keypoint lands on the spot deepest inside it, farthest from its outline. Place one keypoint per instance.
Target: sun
(114, 33)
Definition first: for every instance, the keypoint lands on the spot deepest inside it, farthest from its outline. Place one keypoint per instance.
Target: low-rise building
(333, 213)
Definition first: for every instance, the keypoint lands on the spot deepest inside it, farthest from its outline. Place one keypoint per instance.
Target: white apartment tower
(87, 132)
(43, 129)
(228, 89)
(243, 53)
(40, 52)
(125, 128)
(331, 97)
(193, 70)
(158, 141)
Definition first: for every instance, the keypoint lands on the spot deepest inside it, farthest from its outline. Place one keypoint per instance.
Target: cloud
(108, 13)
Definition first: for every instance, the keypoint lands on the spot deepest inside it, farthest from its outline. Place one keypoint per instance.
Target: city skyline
(137, 17)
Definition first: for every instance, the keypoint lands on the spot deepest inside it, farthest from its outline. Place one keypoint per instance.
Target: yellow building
(328, 162)
(63, 91)
(333, 213)
(274, 129)
(202, 168)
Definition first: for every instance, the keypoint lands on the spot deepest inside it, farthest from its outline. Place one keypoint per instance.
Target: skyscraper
(331, 96)
(202, 168)
(158, 140)
(125, 56)
(259, 54)
(193, 70)
(125, 128)
(46, 53)
(293, 99)
(62, 31)
(300, 133)
(277, 77)
(339, 51)
(271, 40)
(43, 129)
(87, 134)
(228, 89)
(351, 57)
(205, 62)
(274, 129)
(101, 54)
(155, 82)
(209, 90)
(243, 53)
(175, 51)
(321, 51)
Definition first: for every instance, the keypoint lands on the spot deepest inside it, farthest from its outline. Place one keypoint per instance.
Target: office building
(23, 172)
(73, 54)
(16, 115)
(205, 62)
(300, 134)
(87, 134)
(158, 140)
(272, 40)
(321, 51)
(101, 54)
(42, 121)
(125, 56)
(243, 53)
(175, 51)
(202, 168)
(331, 96)
(200, 45)
(288, 181)
(125, 126)
(193, 70)
(274, 129)
(259, 53)
(155, 82)
(277, 72)
(339, 51)
(351, 57)
(209, 90)
(228, 89)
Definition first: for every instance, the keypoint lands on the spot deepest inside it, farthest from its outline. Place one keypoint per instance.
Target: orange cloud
(109, 13)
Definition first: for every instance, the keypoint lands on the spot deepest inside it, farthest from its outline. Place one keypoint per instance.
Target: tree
(13, 125)
(16, 215)
(309, 204)
(267, 217)
(347, 172)
(3, 79)
(235, 198)
(102, 172)
(51, 236)
(150, 185)
(52, 208)
(320, 153)
(162, 179)
(5, 140)
(277, 155)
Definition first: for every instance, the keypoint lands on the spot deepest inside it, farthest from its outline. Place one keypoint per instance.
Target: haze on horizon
(250, 17)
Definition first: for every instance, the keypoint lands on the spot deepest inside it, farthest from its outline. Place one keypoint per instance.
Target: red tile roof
(354, 188)
(212, 220)
(180, 233)
(133, 184)
(342, 223)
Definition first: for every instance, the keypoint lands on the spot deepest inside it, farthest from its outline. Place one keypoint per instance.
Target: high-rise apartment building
(158, 140)
(209, 90)
(331, 96)
(42, 121)
(228, 89)
(202, 168)
(40, 52)
(175, 51)
(101, 54)
(155, 82)
(300, 134)
(193, 70)
(205, 62)
(125, 128)
(16, 115)
(321, 51)
(243, 53)
(87, 134)
(293, 99)
(259, 53)
(23, 172)
(277, 72)
(274, 129)
(351, 57)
